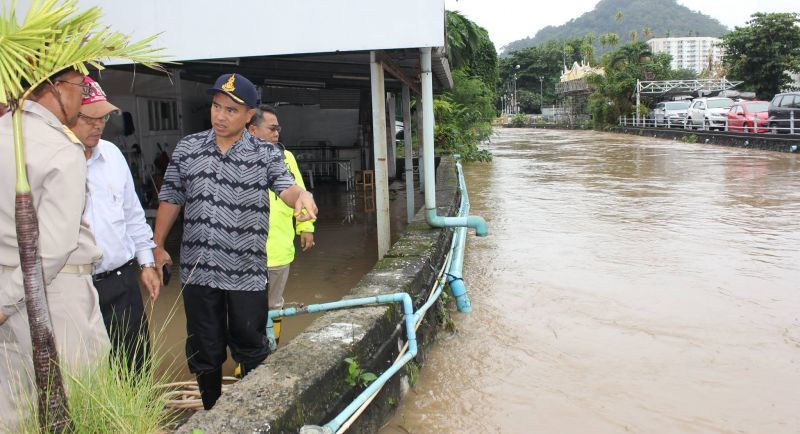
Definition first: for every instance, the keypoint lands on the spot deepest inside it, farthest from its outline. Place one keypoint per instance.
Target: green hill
(663, 18)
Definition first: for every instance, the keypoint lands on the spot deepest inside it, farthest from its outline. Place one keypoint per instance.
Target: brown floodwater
(345, 250)
(628, 285)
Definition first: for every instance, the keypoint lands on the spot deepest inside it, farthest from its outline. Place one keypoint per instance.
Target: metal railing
(770, 125)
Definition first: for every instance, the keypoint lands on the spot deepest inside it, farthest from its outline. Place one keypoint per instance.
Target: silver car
(708, 113)
(670, 113)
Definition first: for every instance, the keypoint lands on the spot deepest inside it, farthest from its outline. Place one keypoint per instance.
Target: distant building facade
(795, 84)
(689, 52)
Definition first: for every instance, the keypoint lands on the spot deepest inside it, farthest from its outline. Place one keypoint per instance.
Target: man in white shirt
(117, 220)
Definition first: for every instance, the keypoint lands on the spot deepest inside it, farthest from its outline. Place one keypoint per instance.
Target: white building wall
(131, 93)
(210, 29)
(689, 52)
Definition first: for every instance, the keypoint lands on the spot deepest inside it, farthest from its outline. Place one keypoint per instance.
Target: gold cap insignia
(228, 86)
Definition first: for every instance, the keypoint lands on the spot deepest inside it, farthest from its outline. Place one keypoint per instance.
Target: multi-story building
(690, 52)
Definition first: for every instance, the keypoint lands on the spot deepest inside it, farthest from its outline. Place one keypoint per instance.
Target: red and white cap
(95, 104)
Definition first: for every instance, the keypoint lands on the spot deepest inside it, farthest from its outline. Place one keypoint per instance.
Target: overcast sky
(509, 20)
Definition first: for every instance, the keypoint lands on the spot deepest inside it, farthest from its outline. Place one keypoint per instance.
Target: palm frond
(54, 36)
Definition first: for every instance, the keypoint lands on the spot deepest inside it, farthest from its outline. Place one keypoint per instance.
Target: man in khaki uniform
(57, 175)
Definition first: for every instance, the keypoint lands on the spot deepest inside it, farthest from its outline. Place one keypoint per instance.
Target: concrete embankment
(769, 142)
(303, 383)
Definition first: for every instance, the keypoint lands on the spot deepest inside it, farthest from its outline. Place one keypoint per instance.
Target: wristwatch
(147, 265)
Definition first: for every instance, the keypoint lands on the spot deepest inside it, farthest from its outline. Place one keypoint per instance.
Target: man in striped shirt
(221, 177)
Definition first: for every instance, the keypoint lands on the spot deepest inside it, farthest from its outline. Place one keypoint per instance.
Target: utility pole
(516, 106)
(541, 95)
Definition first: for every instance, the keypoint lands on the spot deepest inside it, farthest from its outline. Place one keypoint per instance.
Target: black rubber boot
(210, 384)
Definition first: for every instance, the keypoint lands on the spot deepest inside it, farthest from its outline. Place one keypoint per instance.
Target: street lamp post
(515, 106)
(541, 95)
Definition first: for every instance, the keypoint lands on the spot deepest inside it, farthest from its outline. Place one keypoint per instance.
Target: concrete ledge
(304, 382)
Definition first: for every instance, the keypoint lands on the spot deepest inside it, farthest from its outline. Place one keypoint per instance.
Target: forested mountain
(663, 18)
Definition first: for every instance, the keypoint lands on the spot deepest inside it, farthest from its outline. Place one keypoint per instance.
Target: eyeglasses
(274, 128)
(91, 120)
(86, 88)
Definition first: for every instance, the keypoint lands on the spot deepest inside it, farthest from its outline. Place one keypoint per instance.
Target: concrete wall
(131, 92)
(304, 382)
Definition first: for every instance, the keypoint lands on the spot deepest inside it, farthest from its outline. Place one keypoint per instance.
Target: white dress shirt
(113, 211)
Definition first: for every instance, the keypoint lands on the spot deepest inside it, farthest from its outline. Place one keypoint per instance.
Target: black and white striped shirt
(226, 216)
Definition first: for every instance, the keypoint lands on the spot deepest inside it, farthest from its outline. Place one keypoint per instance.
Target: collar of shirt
(246, 142)
(97, 154)
(46, 115)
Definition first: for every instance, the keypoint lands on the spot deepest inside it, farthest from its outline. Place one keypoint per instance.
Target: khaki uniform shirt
(56, 169)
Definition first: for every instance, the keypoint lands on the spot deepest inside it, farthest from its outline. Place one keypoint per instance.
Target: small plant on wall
(356, 376)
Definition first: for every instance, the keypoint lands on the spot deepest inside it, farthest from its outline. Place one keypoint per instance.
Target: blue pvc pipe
(473, 221)
(426, 89)
(463, 219)
(455, 273)
(437, 290)
(453, 267)
(409, 319)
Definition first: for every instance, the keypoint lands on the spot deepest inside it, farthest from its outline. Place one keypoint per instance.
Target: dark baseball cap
(238, 87)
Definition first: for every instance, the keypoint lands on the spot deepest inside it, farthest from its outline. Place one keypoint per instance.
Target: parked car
(749, 116)
(782, 108)
(669, 113)
(708, 113)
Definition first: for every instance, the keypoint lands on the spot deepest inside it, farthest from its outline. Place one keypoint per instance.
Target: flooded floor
(628, 285)
(346, 249)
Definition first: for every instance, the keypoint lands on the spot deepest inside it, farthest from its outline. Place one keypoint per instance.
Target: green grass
(111, 397)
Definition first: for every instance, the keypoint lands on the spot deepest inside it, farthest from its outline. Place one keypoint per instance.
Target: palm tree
(587, 47)
(462, 38)
(634, 53)
(612, 39)
(647, 33)
(51, 37)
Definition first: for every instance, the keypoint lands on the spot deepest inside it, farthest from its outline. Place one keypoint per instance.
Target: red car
(749, 117)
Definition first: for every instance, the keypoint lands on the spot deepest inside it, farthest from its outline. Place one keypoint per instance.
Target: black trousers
(216, 318)
(124, 316)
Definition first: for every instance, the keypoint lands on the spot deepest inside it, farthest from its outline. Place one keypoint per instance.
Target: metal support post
(378, 94)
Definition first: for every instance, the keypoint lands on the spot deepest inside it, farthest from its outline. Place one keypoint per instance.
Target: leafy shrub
(519, 120)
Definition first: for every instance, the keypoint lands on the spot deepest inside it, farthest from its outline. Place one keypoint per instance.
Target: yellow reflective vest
(282, 229)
